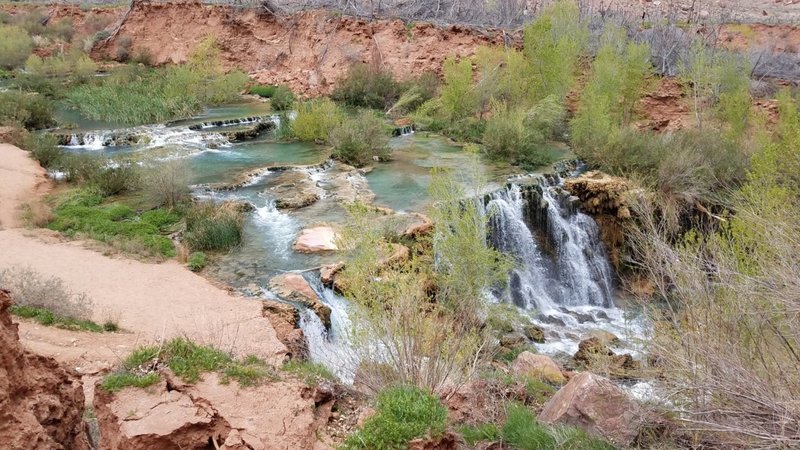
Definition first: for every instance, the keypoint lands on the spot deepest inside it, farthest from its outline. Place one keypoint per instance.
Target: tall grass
(211, 226)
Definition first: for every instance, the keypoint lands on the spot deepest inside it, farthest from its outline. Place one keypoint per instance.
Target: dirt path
(21, 180)
(149, 301)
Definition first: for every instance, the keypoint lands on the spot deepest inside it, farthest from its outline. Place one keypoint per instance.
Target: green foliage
(188, 361)
(48, 318)
(282, 99)
(458, 98)
(415, 92)
(483, 432)
(32, 111)
(265, 91)
(133, 95)
(366, 87)
(524, 432)
(402, 414)
(508, 136)
(309, 371)
(211, 226)
(15, 46)
(618, 79)
(83, 212)
(119, 381)
(196, 261)
(357, 140)
(315, 120)
(553, 45)
(43, 148)
(116, 179)
(166, 183)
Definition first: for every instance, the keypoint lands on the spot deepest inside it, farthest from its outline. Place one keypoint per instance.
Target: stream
(562, 278)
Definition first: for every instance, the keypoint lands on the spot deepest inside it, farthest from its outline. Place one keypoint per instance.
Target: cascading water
(562, 276)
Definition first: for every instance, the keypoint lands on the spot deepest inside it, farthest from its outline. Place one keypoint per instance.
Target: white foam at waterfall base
(331, 348)
(279, 228)
(91, 141)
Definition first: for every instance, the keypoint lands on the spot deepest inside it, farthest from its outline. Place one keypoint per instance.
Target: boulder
(327, 273)
(511, 340)
(293, 287)
(534, 333)
(316, 240)
(592, 352)
(605, 337)
(285, 319)
(41, 402)
(540, 367)
(597, 405)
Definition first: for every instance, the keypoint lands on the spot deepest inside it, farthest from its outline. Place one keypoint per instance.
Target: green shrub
(402, 413)
(120, 177)
(366, 87)
(32, 111)
(211, 226)
(15, 46)
(282, 99)
(265, 91)
(359, 139)
(522, 431)
(166, 183)
(458, 98)
(80, 167)
(315, 120)
(508, 137)
(196, 261)
(43, 148)
(123, 50)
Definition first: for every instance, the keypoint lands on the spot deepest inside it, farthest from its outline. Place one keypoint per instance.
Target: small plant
(167, 183)
(196, 261)
(188, 361)
(403, 413)
(310, 372)
(211, 226)
(123, 51)
(282, 99)
(360, 139)
(483, 432)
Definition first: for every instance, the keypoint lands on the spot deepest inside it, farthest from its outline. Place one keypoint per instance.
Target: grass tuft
(48, 318)
(310, 372)
(121, 380)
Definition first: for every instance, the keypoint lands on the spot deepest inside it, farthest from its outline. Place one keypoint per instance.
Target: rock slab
(316, 240)
(294, 288)
(597, 405)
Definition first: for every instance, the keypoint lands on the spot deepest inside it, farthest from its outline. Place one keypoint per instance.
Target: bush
(123, 50)
(211, 226)
(196, 261)
(366, 87)
(315, 120)
(458, 98)
(282, 99)
(43, 148)
(265, 91)
(359, 139)
(32, 111)
(116, 179)
(402, 414)
(30, 289)
(508, 136)
(15, 46)
(167, 183)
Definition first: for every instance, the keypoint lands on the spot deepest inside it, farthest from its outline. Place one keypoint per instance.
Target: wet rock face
(294, 288)
(294, 189)
(594, 351)
(597, 405)
(41, 403)
(285, 319)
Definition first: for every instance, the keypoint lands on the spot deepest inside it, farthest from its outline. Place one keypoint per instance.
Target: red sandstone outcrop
(41, 403)
(172, 415)
(293, 287)
(316, 240)
(285, 319)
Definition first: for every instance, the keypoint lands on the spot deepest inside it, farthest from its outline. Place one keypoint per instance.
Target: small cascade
(406, 130)
(331, 348)
(95, 140)
(272, 118)
(278, 227)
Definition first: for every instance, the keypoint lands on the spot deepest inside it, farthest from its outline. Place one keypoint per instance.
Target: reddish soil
(41, 403)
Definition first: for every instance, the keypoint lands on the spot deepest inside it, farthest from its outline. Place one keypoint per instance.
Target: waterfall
(274, 118)
(331, 348)
(561, 261)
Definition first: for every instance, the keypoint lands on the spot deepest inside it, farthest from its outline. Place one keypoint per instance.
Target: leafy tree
(15, 46)
(458, 98)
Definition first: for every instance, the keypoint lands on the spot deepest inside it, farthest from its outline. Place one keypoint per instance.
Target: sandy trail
(149, 301)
